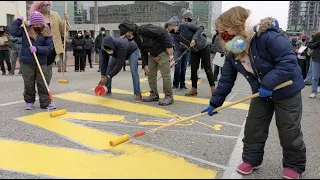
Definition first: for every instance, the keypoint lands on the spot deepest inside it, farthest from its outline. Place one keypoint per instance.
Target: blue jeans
(180, 71)
(315, 76)
(309, 75)
(133, 59)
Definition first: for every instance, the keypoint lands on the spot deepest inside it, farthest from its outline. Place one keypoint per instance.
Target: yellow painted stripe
(67, 163)
(241, 106)
(117, 104)
(134, 161)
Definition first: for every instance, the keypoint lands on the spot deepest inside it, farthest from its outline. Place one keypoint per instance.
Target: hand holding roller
(126, 137)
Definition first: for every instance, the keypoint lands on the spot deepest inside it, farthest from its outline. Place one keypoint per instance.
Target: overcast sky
(261, 9)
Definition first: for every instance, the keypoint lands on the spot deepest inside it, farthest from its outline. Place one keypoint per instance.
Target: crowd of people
(261, 53)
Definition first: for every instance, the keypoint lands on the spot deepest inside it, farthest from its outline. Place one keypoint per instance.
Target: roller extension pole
(64, 81)
(142, 133)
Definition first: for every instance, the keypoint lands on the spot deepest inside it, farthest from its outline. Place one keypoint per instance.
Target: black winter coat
(78, 46)
(151, 39)
(315, 46)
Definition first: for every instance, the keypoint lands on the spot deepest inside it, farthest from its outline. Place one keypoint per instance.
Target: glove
(222, 54)
(20, 18)
(209, 109)
(33, 49)
(264, 92)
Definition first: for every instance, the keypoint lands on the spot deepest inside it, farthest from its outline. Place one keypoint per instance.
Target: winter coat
(98, 42)
(89, 43)
(216, 47)
(4, 38)
(151, 39)
(43, 44)
(315, 46)
(78, 46)
(122, 49)
(273, 61)
(16, 42)
(186, 33)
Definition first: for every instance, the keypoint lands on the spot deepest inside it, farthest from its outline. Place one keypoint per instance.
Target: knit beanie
(186, 13)
(173, 21)
(36, 18)
(126, 26)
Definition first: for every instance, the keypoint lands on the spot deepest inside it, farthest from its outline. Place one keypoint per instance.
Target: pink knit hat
(36, 18)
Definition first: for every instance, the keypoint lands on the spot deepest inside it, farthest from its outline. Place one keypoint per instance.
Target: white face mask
(79, 34)
(103, 32)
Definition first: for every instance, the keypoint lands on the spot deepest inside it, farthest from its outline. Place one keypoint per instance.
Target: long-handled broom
(64, 81)
(53, 113)
(126, 137)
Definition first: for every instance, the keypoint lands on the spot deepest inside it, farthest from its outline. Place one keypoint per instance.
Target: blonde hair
(33, 34)
(235, 18)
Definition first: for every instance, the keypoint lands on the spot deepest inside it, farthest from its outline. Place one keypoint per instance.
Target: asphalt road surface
(76, 145)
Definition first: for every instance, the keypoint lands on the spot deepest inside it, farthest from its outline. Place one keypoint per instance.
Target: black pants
(4, 56)
(216, 72)
(303, 65)
(88, 53)
(79, 61)
(124, 66)
(204, 55)
(288, 116)
(31, 75)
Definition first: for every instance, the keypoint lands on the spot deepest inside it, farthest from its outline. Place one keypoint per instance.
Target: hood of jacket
(109, 42)
(265, 24)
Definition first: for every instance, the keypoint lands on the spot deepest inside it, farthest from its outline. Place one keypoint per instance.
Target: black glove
(222, 54)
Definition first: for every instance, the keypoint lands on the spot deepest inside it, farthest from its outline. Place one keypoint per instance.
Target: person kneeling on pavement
(41, 38)
(120, 49)
(266, 59)
(154, 40)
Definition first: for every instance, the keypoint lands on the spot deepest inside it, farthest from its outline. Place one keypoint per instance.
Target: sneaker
(245, 168)
(11, 74)
(183, 88)
(290, 174)
(51, 106)
(76, 71)
(20, 72)
(138, 98)
(167, 100)
(29, 106)
(313, 95)
(151, 98)
(3, 73)
(82, 71)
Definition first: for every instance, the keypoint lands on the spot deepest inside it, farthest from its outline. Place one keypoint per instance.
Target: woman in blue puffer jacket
(266, 60)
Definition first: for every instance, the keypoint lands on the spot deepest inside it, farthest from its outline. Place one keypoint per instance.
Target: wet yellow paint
(190, 82)
(134, 161)
(217, 127)
(241, 106)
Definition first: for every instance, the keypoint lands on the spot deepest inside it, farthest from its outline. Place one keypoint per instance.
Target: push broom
(126, 137)
(53, 113)
(64, 81)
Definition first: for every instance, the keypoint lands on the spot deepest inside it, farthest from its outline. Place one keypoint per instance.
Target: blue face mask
(45, 9)
(237, 45)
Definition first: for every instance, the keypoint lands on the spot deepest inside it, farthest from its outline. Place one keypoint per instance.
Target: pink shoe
(290, 174)
(245, 168)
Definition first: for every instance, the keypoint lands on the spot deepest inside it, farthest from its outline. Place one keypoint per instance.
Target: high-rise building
(74, 10)
(28, 5)
(303, 16)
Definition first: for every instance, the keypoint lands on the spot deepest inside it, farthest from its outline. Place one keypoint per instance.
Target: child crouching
(42, 42)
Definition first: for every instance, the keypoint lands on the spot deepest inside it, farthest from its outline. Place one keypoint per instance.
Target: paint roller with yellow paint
(63, 81)
(126, 137)
(54, 113)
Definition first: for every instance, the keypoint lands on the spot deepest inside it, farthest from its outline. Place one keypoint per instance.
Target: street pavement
(76, 145)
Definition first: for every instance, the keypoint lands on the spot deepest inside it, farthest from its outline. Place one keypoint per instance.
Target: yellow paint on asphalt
(134, 161)
(241, 106)
(190, 82)
(117, 104)
(217, 127)
(143, 80)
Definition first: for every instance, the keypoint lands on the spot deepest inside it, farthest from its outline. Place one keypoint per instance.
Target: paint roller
(184, 52)
(64, 81)
(52, 114)
(126, 137)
